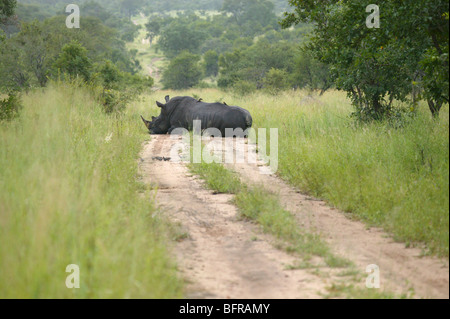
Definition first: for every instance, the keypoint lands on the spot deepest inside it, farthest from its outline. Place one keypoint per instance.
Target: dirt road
(153, 70)
(226, 257)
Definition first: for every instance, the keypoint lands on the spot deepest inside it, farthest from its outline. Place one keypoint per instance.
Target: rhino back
(215, 115)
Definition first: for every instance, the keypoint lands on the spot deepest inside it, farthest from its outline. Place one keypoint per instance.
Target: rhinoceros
(181, 111)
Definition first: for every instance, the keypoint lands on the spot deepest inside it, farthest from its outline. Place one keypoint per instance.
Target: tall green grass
(396, 178)
(69, 195)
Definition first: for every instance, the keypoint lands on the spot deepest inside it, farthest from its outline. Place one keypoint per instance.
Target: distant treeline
(45, 8)
(240, 45)
(242, 48)
(34, 53)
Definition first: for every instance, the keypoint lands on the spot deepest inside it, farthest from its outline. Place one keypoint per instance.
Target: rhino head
(160, 124)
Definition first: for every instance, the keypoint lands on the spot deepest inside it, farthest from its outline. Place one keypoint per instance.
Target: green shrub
(276, 81)
(114, 100)
(9, 107)
(74, 61)
(242, 87)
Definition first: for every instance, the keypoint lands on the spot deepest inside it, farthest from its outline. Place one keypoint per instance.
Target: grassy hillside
(69, 195)
(396, 178)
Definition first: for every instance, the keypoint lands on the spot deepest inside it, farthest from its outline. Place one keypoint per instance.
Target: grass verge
(393, 177)
(69, 195)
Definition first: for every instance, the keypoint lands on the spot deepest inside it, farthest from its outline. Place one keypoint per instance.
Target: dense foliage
(245, 45)
(379, 65)
(238, 48)
(38, 51)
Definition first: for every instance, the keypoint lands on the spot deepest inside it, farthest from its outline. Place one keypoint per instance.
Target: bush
(114, 100)
(211, 63)
(9, 107)
(276, 81)
(183, 72)
(242, 87)
(109, 74)
(394, 116)
(74, 61)
(118, 88)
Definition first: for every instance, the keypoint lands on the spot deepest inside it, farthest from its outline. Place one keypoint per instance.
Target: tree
(109, 74)
(94, 9)
(8, 22)
(211, 63)
(276, 81)
(33, 39)
(27, 57)
(235, 7)
(434, 62)
(251, 64)
(183, 72)
(153, 27)
(14, 74)
(377, 65)
(131, 7)
(74, 61)
(7, 8)
(251, 11)
(311, 73)
(179, 36)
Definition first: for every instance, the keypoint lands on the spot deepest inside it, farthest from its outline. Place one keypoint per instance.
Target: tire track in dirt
(400, 268)
(221, 259)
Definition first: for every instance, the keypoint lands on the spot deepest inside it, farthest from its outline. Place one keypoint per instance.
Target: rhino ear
(160, 104)
(167, 98)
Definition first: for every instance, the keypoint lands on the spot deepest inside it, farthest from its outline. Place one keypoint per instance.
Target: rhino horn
(167, 98)
(147, 123)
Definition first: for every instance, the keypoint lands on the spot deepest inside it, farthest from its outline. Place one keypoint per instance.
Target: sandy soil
(225, 257)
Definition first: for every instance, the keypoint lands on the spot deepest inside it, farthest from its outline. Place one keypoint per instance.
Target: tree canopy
(183, 72)
(7, 8)
(377, 65)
